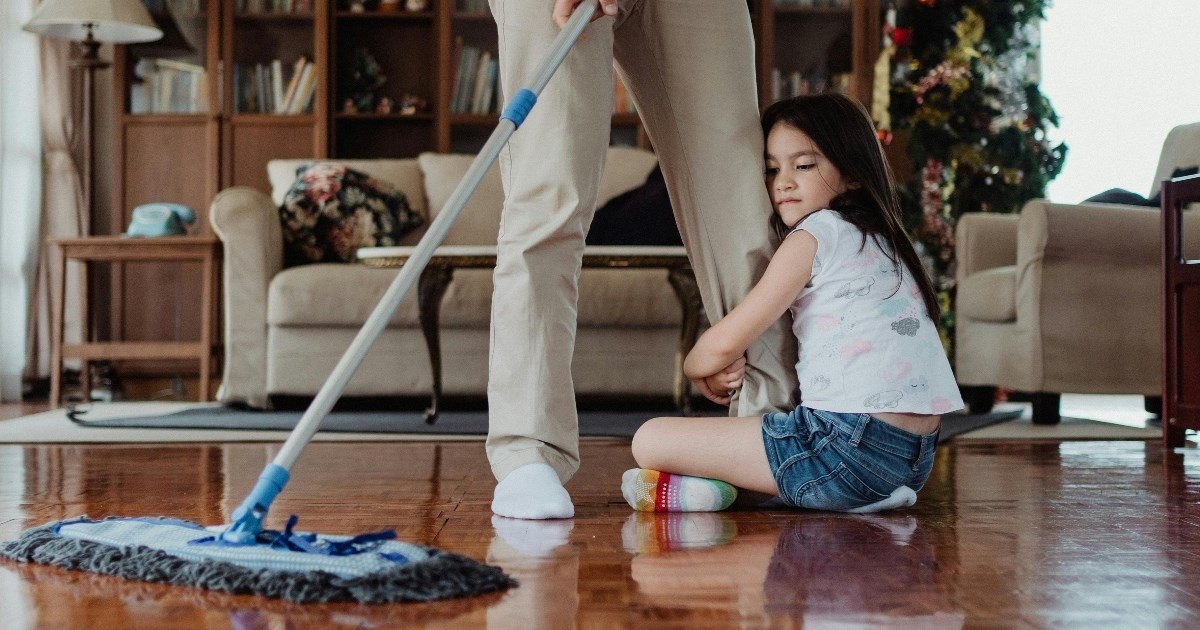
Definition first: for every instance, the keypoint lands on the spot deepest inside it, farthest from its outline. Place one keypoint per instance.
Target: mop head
(295, 566)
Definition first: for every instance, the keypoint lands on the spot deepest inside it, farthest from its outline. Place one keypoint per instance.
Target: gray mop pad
(184, 553)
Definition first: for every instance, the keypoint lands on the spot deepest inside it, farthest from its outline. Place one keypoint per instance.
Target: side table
(120, 249)
(1181, 315)
(435, 279)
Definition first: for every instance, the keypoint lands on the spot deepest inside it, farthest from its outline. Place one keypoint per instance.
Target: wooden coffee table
(435, 278)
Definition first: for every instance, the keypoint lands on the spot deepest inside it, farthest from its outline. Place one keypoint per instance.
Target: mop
(243, 557)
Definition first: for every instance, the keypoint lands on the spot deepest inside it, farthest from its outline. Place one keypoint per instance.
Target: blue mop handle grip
(247, 518)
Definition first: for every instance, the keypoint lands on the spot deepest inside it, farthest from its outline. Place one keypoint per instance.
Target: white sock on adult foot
(900, 497)
(532, 491)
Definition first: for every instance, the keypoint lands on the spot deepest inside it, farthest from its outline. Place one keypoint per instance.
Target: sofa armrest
(1089, 276)
(984, 241)
(247, 223)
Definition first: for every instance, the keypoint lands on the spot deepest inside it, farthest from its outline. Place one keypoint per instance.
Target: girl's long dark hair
(842, 130)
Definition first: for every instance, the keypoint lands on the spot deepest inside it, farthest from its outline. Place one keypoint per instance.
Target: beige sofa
(284, 329)
(1066, 297)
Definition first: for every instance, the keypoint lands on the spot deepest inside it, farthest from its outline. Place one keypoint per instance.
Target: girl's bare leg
(728, 449)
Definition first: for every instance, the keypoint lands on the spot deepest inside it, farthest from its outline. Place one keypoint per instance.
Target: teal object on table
(160, 219)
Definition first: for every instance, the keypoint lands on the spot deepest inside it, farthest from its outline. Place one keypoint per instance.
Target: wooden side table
(435, 279)
(119, 249)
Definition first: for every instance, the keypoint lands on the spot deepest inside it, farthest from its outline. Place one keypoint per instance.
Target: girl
(874, 379)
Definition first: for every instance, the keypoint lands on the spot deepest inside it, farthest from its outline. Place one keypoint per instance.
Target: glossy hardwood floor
(1012, 535)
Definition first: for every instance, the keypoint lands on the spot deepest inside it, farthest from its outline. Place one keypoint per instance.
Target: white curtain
(20, 187)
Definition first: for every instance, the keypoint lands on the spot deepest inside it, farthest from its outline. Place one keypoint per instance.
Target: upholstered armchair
(1066, 297)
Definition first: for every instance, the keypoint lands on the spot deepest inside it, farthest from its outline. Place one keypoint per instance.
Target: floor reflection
(538, 554)
(818, 568)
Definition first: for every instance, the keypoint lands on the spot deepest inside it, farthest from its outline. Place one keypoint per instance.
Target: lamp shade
(115, 21)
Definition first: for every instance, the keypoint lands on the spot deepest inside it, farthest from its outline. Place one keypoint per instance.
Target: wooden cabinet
(193, 120)
(806, 46)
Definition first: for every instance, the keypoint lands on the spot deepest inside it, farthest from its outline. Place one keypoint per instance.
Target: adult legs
(690, 66)
(551, 169)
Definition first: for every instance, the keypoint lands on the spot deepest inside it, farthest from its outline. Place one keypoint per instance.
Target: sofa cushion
(345, 295)
(625, 169)
(332, 295)
(989, 295)
(404, 174)
(479, 222)
(331, 211)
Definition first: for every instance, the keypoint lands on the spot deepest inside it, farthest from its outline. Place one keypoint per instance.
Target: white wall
(1120, 74)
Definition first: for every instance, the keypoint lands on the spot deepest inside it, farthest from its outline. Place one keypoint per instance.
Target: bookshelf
(806, 46)
(206, 107)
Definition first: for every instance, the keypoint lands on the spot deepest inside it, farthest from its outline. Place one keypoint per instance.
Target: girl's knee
(647, 442)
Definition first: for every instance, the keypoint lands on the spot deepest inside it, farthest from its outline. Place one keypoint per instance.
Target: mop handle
(276, 474)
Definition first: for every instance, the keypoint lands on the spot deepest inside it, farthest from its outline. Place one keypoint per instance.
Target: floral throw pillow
(332, 210)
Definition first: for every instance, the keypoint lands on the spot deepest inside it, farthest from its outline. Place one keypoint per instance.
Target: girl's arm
(786, 275)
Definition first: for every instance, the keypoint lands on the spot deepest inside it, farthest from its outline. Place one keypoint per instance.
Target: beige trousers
(690, 67)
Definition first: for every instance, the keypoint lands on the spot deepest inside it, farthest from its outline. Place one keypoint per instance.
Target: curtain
(20, 188)
(62, 211)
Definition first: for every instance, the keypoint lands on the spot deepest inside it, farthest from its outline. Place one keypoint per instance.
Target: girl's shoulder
(826, 224)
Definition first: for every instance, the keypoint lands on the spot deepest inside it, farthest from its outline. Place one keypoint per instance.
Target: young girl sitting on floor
(874, 379)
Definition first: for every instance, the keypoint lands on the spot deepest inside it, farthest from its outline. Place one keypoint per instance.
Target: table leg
(206, 322)
(431, 288)
(56, 333)
(683, 281)
(86, 330)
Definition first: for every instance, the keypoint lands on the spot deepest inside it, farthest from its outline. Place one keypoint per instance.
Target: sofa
(1066, 297)
(285, 328)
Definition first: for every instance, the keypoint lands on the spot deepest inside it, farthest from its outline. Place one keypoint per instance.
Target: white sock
(535, 539)
(900, 497)
(532, 491)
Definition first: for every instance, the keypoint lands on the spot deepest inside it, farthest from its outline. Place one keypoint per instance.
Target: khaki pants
(690, 67)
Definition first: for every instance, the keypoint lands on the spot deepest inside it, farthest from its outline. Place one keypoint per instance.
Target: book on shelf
(169, 86)
(259, 88)
(273, 6)
(305, 90)
(488, 104)
(289, 96)
(475, 81)
(796, 83)
(477, 105)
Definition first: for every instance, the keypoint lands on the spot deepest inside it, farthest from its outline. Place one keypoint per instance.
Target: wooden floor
(1077, 534)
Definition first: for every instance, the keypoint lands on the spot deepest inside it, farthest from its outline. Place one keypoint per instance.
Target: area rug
(150, 422)
(1067, 429)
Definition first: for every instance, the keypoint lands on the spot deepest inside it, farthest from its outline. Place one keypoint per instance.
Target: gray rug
(591, 423)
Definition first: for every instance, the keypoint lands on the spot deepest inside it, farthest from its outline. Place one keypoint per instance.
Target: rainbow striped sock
(653, 491)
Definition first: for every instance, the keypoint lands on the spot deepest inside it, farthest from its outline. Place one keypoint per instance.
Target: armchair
(1065, 297)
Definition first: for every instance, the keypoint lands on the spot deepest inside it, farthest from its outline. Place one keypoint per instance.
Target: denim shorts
(825, 460)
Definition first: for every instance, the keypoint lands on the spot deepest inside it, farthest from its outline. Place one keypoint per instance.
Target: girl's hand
(564, 8)
(720, 387)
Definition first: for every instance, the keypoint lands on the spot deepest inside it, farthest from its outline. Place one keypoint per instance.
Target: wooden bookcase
(212, 140)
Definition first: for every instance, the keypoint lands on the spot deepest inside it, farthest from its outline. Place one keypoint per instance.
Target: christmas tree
(960, 77)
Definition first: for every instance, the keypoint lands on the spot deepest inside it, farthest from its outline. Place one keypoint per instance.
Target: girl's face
(800, 179)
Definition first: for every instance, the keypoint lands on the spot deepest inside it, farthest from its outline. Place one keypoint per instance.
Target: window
(1120, 74)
